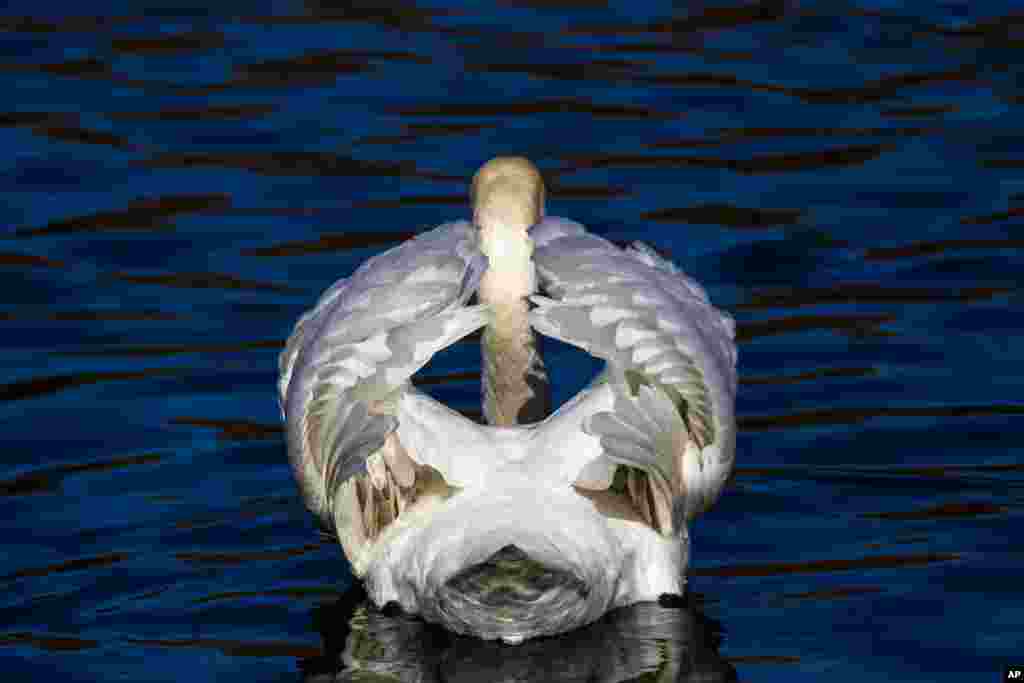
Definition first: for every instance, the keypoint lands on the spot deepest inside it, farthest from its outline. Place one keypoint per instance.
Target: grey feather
(361, 343)
(671, 354)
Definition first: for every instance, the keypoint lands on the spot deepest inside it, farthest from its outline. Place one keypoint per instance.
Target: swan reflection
(664, 641)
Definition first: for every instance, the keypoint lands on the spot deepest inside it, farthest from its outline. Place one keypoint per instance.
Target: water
(181, 182)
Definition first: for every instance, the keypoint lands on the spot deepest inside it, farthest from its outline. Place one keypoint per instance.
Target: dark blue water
(180, 183)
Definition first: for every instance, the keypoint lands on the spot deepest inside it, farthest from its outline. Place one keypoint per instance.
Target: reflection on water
(670, 642)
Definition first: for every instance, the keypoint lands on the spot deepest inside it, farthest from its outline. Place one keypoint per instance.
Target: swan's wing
(671, 357)
(348, 360)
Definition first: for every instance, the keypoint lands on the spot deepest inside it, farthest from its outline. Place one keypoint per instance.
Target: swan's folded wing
(671, 356)
(347, 361)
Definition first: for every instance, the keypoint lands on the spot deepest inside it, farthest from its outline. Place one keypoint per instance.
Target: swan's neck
(514, 378)
(510, 272)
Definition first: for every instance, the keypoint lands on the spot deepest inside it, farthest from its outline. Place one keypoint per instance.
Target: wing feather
(671, 354)
(349, 359)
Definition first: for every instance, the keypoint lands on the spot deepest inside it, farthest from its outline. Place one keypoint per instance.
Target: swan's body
(517, 530)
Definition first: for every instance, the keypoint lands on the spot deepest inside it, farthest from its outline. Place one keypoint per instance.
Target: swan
(531, 524)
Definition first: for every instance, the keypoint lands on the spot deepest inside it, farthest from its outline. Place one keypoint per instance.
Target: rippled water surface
(180, 183)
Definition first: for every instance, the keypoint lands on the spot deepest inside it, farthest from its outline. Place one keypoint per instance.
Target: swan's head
(507, 195)
(508, 199)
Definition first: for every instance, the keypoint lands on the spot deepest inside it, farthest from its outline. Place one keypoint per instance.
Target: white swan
(505, 530)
